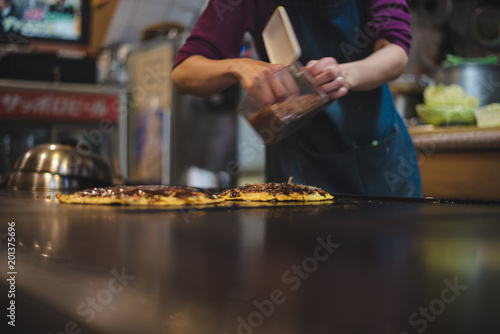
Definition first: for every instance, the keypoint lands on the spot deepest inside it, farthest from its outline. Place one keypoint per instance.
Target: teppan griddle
(352, 265)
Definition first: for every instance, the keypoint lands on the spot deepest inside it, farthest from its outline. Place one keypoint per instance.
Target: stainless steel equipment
(204, 139)
(34, 113)
(406, 99)
(57, 166)
(480, 80)
(176, 139)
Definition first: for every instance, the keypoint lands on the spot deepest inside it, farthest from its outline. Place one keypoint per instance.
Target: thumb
(311, 63)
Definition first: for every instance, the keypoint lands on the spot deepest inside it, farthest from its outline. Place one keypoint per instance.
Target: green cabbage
(445, 115)
(488, 115)
(447, 105)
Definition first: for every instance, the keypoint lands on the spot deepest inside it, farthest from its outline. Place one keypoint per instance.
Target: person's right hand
(258, 79)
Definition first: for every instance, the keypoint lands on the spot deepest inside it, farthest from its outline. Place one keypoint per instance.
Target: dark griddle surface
(210, 270)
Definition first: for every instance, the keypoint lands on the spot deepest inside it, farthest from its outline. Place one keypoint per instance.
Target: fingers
(338, 93)
(310, 65)
(326, 72)
(256, 83)
(278, 87)
(263, 94)
(332, 86)
(287, 84)
(323, 66)
(274, 88)
(269, 84)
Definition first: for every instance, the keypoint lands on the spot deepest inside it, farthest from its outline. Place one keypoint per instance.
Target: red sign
(56, 105)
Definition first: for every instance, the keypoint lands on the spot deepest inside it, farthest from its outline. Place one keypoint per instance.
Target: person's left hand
(326, 73)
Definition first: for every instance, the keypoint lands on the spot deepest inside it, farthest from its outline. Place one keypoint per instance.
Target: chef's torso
(359, 144)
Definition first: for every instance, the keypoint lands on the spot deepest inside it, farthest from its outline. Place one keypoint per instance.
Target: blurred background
(68, 65)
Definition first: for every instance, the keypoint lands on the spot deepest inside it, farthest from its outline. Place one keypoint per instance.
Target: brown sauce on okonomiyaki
(144, 191)
(278, 189)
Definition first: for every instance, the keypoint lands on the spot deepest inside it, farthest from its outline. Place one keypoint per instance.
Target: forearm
(201, 76)
(387, 63)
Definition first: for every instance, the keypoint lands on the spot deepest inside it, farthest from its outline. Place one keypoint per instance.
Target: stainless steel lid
(65, 160)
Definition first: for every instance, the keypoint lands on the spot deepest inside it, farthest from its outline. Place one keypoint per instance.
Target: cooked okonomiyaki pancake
(276, 192)
(160, 195)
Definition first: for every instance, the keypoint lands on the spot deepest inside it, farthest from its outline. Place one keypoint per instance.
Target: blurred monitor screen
(47, 20)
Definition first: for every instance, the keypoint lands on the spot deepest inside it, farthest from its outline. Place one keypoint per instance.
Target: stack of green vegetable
(452, 60)
(488, 116)
(445, 105)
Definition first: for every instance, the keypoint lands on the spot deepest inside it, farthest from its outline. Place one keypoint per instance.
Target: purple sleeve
(220, 30)
(391, 20)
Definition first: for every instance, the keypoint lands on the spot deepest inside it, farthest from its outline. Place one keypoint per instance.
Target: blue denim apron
(358, 145)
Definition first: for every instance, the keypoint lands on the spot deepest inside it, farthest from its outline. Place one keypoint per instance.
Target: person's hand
(326, 72)
(266, 83)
